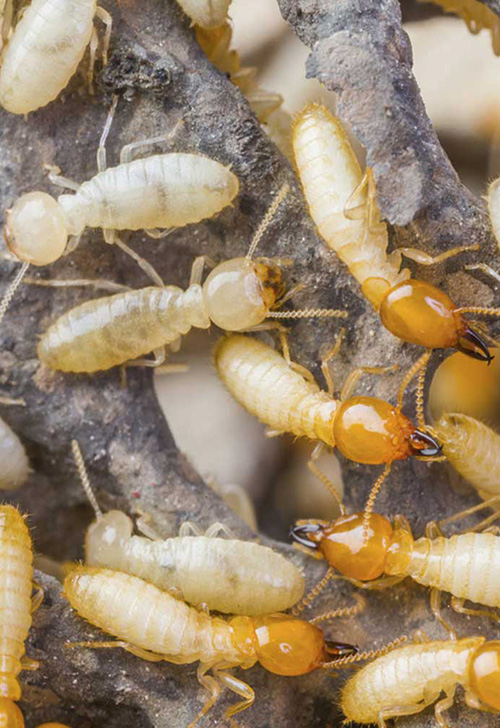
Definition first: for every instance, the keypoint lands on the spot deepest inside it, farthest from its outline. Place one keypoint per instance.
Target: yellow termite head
(418, 312)
(286, 645)
(240, 292)
(35, 229)
(106, 537)
(10, 714)
(484, 674)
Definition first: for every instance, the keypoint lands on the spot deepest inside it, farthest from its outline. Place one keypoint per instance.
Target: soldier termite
(476, 16)
(410, 678)
(45, 49)
(228, 575)
(467, 565)
(412, 310)
(285, 397)
(16, 608)
(206, 13)
(239, 294)
(155, 626)
(159, 191)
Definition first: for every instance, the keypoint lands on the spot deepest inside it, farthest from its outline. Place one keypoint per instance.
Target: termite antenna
(351, 611)
(420, 364)
(371, 499)
(82, 472)
(368, 655)
(267, 219)
(315, 591)
(11, 290)
(308, 313)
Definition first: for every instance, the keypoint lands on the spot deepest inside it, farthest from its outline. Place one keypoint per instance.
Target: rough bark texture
(360, 51)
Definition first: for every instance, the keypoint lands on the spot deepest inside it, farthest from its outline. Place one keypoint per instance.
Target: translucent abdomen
(44, 52)
(161, 191)
(16, 572)
(466, 565)
(262, 382)
(237, 577)
(103, 333)
(138, 612)
(14, 465)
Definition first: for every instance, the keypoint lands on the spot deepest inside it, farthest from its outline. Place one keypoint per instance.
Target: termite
(467, 565)
(412, 310)
(155, 626)
(411, 678)
(159, 191)
(206, 13)
(46, 48)
(228, 575)
(16, 608)
(476, 16)
(285, 397)
(14, 463)
(238, 294)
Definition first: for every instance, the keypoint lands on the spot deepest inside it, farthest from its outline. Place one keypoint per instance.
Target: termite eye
(10, 714)
(287, 645)
(484, 674)
(470, 343)
(35, 229)
(424, 445)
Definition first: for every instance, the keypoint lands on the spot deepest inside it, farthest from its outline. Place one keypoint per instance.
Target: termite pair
(45, 49)
(412, 310)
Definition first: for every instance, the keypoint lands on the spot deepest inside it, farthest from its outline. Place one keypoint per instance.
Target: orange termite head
(484, 674)
(10, 714)
(286, 645)
(372, 431)
(346, 547)
(418, 312)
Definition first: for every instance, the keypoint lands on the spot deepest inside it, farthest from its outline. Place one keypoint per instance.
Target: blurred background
(267, 479)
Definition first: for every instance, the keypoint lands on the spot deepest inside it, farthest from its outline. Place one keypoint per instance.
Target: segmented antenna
(371, 499)
(369, 655)
(315, 591)
(82, 472)
(11, 290)
(308, 313)
(267, 219)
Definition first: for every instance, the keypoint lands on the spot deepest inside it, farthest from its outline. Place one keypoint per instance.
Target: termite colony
(155, 596)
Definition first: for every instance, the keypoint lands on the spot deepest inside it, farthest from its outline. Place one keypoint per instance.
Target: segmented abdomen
(330, 173)
(466, 565)
(16, 573)
(44, 52)
(261, 380)
(160, 191)
(406, 676)
(237, 577)
(103, 333)
(139, 613)
(473, 449)
(14, 465)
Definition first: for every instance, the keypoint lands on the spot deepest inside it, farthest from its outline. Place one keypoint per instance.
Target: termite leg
(326, 359)
(472, 701)
(399, 711)
(112, 238)
(96, 283)
(133, 649)
(289, 294)
(93, 46)
(176, 593)
(285, 348)
(203, 608)
(7, 20)
(239, 687)
(198, 267)
(214, 690)
(401, 522)
(383, 582)
(425, 259)
(158, 234)
(101, 150)
(107, 20)
(436, 527)
(270, 433)
(485, 269)
(216, 528)
(159, 359)
(356, 374)
(128, 152)
(143, 525)
(57, 179)
(323, 477)
(189, 528)
(72, 244)
(37, 598)
(435, 605)
(458, 605)
(440, 707)
(352, 211)
(28, 664)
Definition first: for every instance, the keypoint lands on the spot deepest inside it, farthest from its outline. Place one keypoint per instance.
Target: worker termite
(410, 678)
(364, 429)
(155, 626)
(159, 191)
(467, 565)
(412, 310)
(228, 575)
(16, 607)
(476, 16)
(239, 294)
(45, 49)
(206, 13)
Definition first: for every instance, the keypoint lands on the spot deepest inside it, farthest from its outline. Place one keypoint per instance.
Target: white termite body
(229, 575)
(330, 174)
(14, 464)
(206, 13)
(44, 52)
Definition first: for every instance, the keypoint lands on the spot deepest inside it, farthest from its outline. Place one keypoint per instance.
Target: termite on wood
(226, 574)
(412, 310)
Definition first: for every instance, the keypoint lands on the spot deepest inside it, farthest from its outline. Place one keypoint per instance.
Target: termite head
(371, 431)
(240, 292)
(10, 714)
(286, 645)
(417, 312)
(484, 674)
(106, 537)
(35, 229)
(346, 547)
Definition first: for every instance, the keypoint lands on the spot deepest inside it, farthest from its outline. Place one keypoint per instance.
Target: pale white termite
(14, 464)
(411, 678)
(155, 626)
(228, 575)
(206, 13)
(16, 607)
(159, 191)
(237, 295)
(45, 50)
